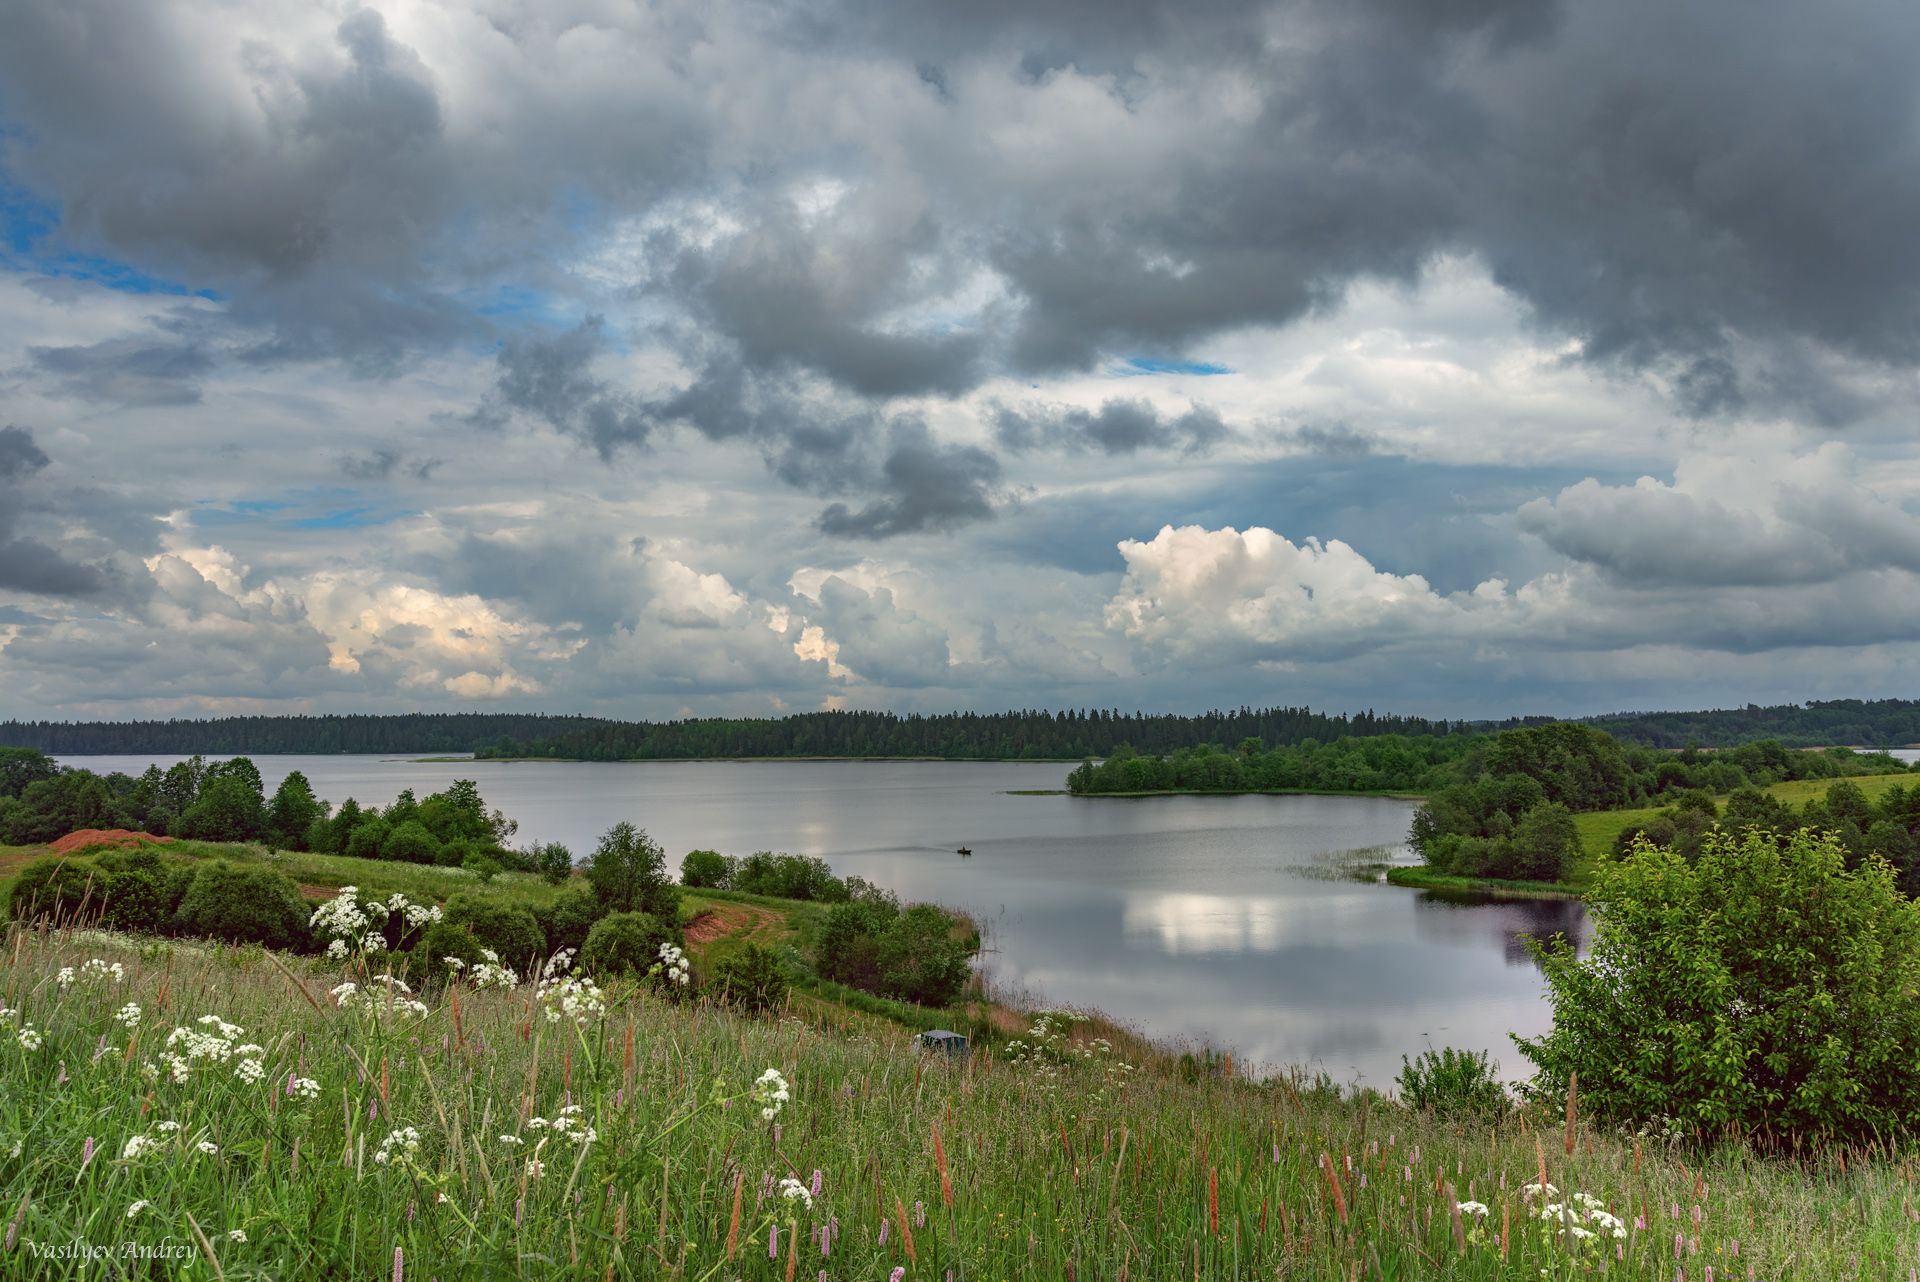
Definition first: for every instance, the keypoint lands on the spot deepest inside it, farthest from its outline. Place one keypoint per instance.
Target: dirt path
(723, 920)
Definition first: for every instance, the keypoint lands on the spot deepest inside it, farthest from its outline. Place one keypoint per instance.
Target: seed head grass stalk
(488, 1151)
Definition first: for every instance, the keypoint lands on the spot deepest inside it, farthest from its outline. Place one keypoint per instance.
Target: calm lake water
(1216, 919)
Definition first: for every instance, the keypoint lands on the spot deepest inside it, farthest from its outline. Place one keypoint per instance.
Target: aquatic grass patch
(635, 1138)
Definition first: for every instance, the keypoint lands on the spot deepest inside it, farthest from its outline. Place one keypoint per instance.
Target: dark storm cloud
(1117, 427)
(550, 378)
(923, 486)
(383, 463)
(18, 454)
(1701, 192)
(27, 564)
(128, 371)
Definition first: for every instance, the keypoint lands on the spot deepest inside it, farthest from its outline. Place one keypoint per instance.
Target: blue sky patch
(29, 227)
(1137, 365)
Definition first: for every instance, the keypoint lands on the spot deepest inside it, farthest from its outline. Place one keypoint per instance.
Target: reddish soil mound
(85, 837)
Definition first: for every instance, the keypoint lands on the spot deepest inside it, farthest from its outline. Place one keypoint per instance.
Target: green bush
(625, 944)
(628, 871)
(752, 979)
(848, 951)
(367, 837)
(1452, 1084)
(56, 888)
(566, 920)
(426, 962)
(482, 866)
(553, 861)
(921, 961)
(142, 892)
(707, 868)
(1764, 987)
(788, 877)
(246, 904)
(227, 809)
(410, 843)
(507, 928)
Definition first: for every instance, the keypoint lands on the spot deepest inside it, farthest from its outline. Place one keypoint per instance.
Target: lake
(1216, 919)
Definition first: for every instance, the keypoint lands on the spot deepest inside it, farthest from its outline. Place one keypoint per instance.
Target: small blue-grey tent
(941, 1039)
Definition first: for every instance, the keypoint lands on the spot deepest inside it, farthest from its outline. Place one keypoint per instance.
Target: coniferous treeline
(1875, 723)
(952, 736)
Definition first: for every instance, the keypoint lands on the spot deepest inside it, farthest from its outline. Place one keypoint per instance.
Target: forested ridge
(1013, 735)
(1028, 735)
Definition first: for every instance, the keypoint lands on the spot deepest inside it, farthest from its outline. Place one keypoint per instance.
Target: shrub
(628, 871)
(1764, 987)
(553, 861)
(441, 940)
(227, 809)
(410, 843)
(507, 928)
(707, 868)
(142, 893)
(568, 917)
(788, 877)
(248, 904)
(55, 888)
(482, 866)
(625, 944)
(752, 979)
(1452, 1083)
(848, 951)
(920, 960)
(366, 839)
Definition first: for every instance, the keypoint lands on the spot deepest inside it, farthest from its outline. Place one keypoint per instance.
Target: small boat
(964, 850)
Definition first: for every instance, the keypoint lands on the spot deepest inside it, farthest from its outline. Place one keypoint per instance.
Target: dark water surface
(1224, 919)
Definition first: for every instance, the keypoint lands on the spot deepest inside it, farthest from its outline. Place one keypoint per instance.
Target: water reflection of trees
(1449, 918)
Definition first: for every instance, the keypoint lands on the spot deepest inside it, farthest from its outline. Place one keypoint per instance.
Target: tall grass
(1063, 1167)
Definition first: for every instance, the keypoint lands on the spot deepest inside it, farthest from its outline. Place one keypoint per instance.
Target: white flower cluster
(570, 1123)
(770, 1092)
(93, 969)
(673, 963)
(488, 973)
(393, 998)
(792, 1190)
(303, 1088)
(128, 1015)
(574, 997)
(29, 1038)
(214, 1042)
(361, 925)
(1582, 1215)
(403, 1143)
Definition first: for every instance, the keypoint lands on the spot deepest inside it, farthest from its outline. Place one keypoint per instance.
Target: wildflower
(129, 1015)
(792, 1190)
(167, 1128)
(208, 1147)
(402, 1143)
(250, 1071)
(136, 1146)
(1471, 1208)
(899, 1271)
(535, 1168)
(236, 1235)
(511, 1139)
(65, 977)
(771, 1093)
(337, 950)
(304, 1087)
(138, 1207)
(29, 1038)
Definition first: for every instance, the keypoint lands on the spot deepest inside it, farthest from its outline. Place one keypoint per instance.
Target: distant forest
(957, 736)
(1853, 723)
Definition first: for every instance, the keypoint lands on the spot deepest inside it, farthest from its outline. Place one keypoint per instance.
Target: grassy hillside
(319, 1141)
(1600, 829)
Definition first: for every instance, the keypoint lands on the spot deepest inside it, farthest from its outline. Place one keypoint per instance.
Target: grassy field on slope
(1601, 828)
(482, 1139)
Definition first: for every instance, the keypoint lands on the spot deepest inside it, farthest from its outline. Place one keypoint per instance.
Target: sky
(1451, 357)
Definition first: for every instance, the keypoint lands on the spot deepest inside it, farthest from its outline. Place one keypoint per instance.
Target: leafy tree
(22, 766)
(553, 861)
(707, 868)
(367, 838)
(1750, 807)
(566, 920)
(410, 842)
(293, 812)
(227, 809)
(628, 872)
(1764, 987)
(920, 960)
